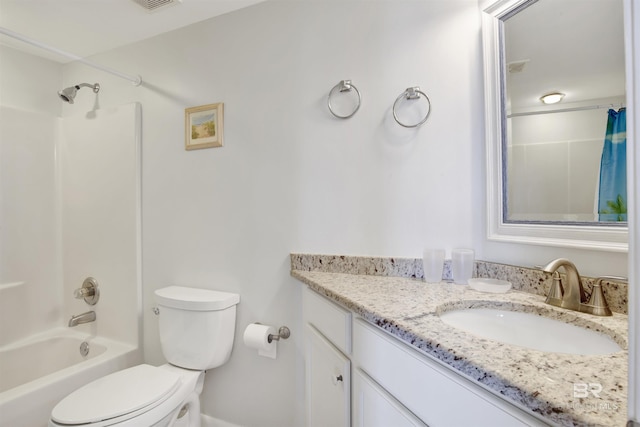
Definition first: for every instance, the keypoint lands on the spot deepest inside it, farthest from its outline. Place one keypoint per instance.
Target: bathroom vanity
(378, 354)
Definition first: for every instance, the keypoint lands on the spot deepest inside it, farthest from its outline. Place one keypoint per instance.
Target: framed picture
(203, 126)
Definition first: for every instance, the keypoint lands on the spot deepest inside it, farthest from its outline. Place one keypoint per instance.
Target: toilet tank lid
(195, 299)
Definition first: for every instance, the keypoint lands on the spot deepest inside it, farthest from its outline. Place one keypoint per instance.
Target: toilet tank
(196, 326)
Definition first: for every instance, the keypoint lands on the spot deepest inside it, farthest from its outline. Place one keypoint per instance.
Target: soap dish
(493, 286)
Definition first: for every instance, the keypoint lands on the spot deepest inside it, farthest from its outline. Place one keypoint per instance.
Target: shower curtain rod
(566, 110)
(136, 80)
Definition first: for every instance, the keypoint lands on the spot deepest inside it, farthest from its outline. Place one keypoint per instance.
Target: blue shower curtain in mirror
(612, 194)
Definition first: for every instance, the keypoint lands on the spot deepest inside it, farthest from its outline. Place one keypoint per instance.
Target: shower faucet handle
(89, 291)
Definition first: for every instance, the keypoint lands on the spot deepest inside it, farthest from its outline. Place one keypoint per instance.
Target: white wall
(28, 220)
(293, 178)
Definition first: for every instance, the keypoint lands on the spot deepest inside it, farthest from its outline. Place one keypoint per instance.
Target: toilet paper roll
(257, 336)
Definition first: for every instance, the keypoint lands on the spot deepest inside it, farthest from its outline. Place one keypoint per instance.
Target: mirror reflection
(564, 156)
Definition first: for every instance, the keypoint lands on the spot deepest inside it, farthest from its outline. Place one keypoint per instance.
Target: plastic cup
(433, 263)
(462, 265)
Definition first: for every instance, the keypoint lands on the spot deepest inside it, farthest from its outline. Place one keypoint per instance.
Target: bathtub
(37, 372)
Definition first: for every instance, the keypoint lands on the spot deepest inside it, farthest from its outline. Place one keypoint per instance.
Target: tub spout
(89, 316)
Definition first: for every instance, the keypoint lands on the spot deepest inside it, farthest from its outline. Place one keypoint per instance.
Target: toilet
(197, 327)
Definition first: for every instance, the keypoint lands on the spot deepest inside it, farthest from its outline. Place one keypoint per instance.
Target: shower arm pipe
(135, 80)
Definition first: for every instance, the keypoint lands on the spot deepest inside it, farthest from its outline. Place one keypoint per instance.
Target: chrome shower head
(68, 94)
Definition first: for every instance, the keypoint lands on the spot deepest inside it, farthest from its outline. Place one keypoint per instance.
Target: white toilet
(196, 333)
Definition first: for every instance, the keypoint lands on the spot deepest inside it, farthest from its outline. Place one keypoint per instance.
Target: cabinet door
(328, 382)
(374, 407)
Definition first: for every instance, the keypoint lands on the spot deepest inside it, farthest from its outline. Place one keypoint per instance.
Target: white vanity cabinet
(334, 394)
(357, 374)
(328, 368)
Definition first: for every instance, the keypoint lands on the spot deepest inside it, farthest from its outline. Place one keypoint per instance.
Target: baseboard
(208, 421)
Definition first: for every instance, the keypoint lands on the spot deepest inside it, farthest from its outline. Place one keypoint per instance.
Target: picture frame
(204, 126)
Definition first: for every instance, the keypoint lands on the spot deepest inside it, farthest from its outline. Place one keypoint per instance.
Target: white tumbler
(433, 263)
(462, 265)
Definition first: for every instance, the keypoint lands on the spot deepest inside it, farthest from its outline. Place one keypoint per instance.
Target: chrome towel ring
(411, 93)
(343, 86)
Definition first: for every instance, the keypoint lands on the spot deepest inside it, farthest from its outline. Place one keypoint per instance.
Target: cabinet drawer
(430, 390)
(332, 321)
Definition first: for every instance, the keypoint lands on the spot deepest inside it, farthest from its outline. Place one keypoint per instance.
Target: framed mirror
(556, 172)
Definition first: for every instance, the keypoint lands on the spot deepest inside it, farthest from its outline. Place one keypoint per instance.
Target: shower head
(68, 94)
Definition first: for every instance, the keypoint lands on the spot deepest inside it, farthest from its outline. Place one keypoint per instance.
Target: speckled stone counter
(549, 384)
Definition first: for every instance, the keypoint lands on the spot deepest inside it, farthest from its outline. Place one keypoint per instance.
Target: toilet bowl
(196, 333)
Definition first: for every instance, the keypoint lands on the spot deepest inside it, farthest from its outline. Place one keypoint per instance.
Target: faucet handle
(89, 291)
(597, 302)
(556, 292)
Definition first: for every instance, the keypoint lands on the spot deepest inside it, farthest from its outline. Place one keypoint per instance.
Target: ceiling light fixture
(552, 98)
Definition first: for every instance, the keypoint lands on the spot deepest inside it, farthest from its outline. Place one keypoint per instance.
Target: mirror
(545, 181)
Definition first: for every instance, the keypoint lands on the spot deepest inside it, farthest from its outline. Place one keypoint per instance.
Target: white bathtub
(36, 373)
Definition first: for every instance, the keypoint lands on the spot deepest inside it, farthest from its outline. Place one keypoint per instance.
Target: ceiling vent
(517, 66)
(153, 5)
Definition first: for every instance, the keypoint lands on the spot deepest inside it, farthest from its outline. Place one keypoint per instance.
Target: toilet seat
(117, 397)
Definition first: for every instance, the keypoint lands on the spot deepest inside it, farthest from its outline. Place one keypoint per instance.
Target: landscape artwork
(203, 126)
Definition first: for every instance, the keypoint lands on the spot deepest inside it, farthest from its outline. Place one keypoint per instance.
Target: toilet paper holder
(283, 333)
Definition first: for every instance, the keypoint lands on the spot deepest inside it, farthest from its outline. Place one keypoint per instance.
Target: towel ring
(411, 93)
(343, 86)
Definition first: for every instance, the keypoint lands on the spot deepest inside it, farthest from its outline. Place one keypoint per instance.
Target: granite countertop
(539, 381)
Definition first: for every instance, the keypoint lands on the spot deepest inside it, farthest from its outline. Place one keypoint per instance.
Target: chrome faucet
(89, 316)
(572, 296)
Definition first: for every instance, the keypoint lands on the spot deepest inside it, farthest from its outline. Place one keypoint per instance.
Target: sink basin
(530, 331)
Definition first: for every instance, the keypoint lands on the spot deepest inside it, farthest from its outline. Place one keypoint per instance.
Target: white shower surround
(98, 158)
(28, 225)
(71, 209)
